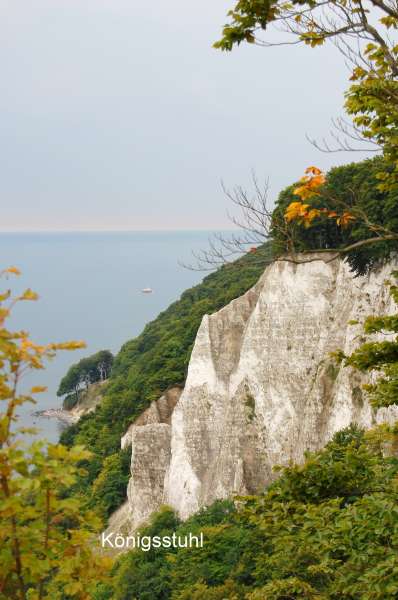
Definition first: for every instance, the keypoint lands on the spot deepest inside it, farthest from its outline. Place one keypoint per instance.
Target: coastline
(56, 413)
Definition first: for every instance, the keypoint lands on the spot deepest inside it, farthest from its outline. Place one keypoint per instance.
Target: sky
(119, 114)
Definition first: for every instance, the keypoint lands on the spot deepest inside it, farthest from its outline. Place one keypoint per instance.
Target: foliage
(110, 487)
(309, 187)
(91, 369)
(348, 189)
(146, 575)
(372, 99)
(327, 529)
(70, 401)
(155, 574)
(45, 538)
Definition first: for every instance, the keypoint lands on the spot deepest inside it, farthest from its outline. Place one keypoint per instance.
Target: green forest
(324, 530)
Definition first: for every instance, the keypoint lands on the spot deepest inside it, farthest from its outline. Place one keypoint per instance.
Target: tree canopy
(91, 369)
(325, 530)
(349, 192)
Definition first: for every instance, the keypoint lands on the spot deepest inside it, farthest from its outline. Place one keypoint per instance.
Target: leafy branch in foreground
(45, 537)
(365, 33)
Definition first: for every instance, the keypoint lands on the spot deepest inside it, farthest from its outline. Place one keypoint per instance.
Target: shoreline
(56, 413)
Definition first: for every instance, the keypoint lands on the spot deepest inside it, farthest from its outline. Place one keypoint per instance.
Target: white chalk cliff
(261, 389)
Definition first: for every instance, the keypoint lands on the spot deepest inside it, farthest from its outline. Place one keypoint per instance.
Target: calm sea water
(90, 289)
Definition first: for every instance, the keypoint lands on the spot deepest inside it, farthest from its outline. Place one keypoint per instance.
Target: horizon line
(13, 231)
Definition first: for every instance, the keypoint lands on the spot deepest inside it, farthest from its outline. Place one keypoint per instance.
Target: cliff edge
(261, 388)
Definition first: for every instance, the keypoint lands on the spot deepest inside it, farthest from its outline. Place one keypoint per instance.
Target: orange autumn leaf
(312, 180)
(301, 212)
(303, 192)
(296, 210)
(345, 219)
(316, 181)
(12, 270)
(313, 170)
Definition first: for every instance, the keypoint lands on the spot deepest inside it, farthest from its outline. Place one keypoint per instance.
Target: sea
(90, 288)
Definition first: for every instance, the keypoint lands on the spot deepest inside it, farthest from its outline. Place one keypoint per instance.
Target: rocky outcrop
(159, 411)
(89, 399)
(261, 388)
(149, 437)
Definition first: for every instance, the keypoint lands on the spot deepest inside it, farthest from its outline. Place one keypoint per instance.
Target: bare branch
(344, 133)
(253, 225)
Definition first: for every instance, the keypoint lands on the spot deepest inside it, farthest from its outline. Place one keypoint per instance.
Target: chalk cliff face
(261, 388)
(149, 437)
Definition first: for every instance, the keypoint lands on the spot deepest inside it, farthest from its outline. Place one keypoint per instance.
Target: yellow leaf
(296, 210)
(5, 296)
(29, 295)
(312, 214)
(38, 389)
(69, 345)
(310, 183)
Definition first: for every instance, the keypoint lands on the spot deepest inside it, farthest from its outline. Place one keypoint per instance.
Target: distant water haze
(90, 289)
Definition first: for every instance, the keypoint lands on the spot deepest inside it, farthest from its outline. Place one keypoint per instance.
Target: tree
(92, 369)
(364, 31)
(45, 537)
(344, 213)
(110, 488)
(326, 530)
(103, 361)
(71, 383)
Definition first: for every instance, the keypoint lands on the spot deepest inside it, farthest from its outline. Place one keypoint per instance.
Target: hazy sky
(118, 114)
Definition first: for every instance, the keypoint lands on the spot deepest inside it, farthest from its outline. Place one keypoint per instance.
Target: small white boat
(147, 290)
